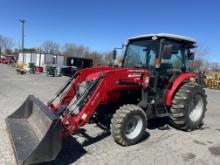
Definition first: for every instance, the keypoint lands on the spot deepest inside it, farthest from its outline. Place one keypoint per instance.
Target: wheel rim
(133, 127)
(196, 108)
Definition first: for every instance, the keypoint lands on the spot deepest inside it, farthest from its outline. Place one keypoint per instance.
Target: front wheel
(188, 107)
(128, 125)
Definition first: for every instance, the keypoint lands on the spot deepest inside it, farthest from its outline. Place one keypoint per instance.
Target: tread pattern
(179, 111)
(117, 122)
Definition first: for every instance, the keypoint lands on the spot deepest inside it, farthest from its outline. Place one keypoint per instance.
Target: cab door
(173, 63)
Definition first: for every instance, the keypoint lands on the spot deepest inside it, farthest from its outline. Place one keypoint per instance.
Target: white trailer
(40, 59)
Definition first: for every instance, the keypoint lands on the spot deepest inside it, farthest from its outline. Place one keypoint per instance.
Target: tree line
(201, 63)
(74, 50)
(100, 58)
(6, 44)
(68, 49)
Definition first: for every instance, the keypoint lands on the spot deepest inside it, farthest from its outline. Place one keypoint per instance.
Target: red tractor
(154, 81)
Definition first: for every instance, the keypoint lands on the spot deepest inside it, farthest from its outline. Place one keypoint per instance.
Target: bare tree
(99, 58)
(200, 53)
(51, 47)
(69, 49)
(74, 50)
(108, 58)
(215, 66)
(1, 44)
(206, 65)
(197, 65)
(6, 44)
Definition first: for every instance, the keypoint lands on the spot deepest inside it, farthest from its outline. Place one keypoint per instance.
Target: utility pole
(40, 58)
(22, 36)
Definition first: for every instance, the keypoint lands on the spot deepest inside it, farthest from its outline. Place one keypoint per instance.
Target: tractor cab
(165, 55)
(166, 52)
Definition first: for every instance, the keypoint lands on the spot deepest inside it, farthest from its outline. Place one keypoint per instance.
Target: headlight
(146, 81)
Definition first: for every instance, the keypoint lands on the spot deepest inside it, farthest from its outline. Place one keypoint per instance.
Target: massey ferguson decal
(134, 74)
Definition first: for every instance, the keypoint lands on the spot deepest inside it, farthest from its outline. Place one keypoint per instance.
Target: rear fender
(179, 80)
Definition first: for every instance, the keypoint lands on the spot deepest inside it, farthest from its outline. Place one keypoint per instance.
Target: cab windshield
(141, 54)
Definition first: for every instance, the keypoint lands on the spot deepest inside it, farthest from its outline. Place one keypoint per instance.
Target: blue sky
(105, 24)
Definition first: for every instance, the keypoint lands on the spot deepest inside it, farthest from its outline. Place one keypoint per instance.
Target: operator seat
(165, 69)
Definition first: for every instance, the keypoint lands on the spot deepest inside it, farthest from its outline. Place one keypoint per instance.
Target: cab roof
(166, 35)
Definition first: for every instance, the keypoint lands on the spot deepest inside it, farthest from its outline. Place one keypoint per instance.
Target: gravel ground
(95, 146)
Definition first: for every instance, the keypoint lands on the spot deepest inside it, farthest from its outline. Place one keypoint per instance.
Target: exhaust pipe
(35, 132)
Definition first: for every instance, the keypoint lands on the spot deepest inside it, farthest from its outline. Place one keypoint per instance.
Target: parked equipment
(21, 68)
(69, 70)
(53, 70)
(212, 80)
(154, 81)
(7, 59)
(32, 68)
(74, 64)
(78, 62)
(39, 69)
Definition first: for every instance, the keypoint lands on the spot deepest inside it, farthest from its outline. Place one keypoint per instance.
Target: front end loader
(35, 132)
(153, 81)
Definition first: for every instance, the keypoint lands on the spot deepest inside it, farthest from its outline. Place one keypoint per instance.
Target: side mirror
(167, 51)
(191, 55)
(114, 54)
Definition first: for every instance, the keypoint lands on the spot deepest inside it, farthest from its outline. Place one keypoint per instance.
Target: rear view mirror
(114, 54)
(191, 55)
(167, 51)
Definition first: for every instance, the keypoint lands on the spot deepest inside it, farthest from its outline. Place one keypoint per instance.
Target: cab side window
(177, 58)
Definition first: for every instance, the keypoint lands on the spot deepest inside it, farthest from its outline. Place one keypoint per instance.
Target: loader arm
(66, 96)
(106, 88)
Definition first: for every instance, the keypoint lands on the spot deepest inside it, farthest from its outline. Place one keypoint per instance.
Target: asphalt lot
(95, 146)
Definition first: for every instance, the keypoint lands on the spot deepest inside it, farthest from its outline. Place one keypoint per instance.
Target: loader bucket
(35, 132)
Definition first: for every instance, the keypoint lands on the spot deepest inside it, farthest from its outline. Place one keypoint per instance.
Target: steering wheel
(172, 71)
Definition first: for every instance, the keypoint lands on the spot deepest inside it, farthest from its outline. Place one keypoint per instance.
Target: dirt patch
(198, 142)
(215, 150)
(188, 156)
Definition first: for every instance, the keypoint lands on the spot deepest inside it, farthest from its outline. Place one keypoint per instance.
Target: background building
(40, 59)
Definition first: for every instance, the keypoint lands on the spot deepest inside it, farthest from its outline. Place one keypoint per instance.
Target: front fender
(176, 84)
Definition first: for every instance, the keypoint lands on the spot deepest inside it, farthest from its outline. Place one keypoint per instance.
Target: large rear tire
(188, 107)
(128, 125)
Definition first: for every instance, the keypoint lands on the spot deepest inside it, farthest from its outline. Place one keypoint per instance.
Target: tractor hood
(96, 71)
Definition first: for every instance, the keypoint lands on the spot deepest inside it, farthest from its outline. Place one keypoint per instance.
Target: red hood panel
(95, 71)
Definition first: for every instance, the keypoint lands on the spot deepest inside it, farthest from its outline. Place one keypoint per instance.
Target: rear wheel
(128, 125)
(188, 107)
